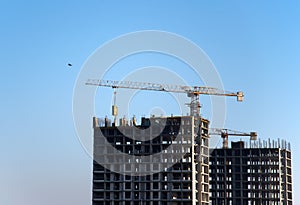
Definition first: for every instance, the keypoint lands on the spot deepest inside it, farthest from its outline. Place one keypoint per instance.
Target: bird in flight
(69, 64)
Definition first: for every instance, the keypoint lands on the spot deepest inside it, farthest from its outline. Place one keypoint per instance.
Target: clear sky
(254, 45)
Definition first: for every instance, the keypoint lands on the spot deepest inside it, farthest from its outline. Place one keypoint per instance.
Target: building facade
(256, 175)
(162, 161)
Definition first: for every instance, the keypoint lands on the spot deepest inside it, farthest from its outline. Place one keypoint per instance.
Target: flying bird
(69, 64)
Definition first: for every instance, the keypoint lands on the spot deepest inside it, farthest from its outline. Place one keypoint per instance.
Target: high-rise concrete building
(260, 174)
(162, 161)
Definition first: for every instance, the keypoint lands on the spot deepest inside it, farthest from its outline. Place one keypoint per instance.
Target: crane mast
(192, 92)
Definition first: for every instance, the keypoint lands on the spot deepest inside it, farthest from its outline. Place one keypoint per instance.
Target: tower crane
(192, 92)
(227, 132)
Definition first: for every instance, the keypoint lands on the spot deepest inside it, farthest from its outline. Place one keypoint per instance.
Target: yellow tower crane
(224, 133)
(192, 92)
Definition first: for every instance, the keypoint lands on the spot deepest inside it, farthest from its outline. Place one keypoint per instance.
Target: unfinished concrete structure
(162, 161)
(260, 174)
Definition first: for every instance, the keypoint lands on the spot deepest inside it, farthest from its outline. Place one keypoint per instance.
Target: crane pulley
(224, 133)
(192, 91)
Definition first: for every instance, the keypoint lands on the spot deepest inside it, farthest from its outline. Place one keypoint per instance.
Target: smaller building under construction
(256, 174)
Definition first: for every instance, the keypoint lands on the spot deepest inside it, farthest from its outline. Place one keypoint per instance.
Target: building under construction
(162, 161)
(165, 160)
(257, 174)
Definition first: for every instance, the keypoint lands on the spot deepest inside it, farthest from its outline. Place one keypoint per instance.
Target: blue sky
(254, 45)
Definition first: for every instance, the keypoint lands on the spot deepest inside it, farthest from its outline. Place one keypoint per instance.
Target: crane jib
(192, 91)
